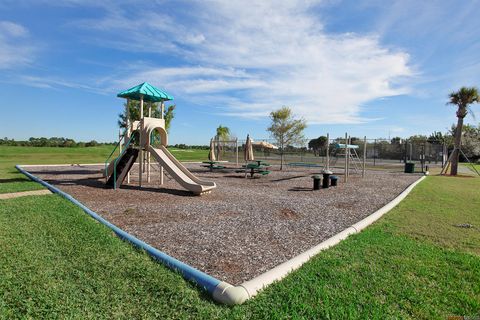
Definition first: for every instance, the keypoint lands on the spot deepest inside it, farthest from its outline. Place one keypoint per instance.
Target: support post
(162, 116)
(346, 157)
(468, 160)
(127, 131)
(127, 120)
(364, 155)
(148, 153)
(161, 175)
(140, 169)
(236, 150)
(374, 152)
(148, 167)
(120, 140)
(328, 152)
(422, 158)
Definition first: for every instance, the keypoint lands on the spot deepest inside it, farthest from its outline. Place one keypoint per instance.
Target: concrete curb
(60, 165)
(239, 294)
(221, 291)
(202, 279)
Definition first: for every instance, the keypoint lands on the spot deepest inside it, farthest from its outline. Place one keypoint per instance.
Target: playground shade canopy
(264, 144)
(149, 93)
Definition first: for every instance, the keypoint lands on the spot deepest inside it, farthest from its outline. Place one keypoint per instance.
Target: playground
(231, 229)
(235, 227)
(242, 229)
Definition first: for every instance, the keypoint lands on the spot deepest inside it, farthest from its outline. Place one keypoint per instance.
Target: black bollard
(326, 178)
(333, 181)
(316, 182)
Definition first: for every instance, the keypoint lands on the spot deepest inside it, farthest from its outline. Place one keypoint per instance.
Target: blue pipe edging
(202, 279)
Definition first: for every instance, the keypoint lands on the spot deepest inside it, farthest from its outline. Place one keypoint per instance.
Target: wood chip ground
(241, 229)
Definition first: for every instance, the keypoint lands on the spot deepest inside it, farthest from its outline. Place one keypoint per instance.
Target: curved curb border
(221, 291)
(203, 280)
(251, 287)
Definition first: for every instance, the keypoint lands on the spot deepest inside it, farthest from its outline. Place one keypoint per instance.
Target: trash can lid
(327, 172)
(316, 177)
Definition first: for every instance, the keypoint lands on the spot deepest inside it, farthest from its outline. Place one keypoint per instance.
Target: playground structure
(231, 148)
(219, 147)
(348, 151)
(340, 154)
(136, 143)
(378, 154)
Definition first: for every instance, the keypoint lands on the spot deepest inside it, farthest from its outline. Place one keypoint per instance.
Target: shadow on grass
(14, 180)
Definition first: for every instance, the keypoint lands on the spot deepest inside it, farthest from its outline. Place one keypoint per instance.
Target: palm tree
(223, 133)
(463, 98)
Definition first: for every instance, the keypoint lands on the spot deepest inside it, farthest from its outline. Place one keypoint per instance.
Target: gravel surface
(241, 229)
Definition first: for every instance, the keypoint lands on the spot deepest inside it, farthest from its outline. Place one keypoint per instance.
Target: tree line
(59, 142)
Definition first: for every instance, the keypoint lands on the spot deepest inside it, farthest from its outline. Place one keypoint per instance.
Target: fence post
(346, 157)
(364, 155)
(374, 152)
(236, 149)
(328, 152)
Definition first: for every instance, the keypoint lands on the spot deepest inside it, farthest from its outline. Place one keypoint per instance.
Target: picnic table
(212, 165)
(258, 167)
(261, 163)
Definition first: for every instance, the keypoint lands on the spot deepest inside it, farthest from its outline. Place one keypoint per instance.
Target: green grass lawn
(12, 181)
(55, 261)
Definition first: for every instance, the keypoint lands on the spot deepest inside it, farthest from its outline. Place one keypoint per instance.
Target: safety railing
(108, 160)
(119, 157)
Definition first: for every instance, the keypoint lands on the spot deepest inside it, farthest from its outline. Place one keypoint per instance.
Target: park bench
(304, 164)
(212, 165)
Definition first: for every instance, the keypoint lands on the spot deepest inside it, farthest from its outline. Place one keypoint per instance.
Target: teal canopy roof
(149, 92)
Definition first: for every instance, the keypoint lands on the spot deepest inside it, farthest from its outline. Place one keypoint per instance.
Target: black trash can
(409, 167)
(326, 178)
(316, 182)
(333, 181)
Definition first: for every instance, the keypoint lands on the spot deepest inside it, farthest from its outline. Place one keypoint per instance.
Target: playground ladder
(353, 155)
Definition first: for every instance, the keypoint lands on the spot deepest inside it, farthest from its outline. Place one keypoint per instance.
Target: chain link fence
(379, 153)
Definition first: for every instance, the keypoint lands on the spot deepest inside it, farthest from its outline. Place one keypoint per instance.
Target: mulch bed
(242, 228)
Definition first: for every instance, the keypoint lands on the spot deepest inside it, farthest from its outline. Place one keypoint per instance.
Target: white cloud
(14, 50)
(48, 82)
(250, 59)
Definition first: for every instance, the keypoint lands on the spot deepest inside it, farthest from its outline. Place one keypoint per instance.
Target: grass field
(55, 261)
(12, 181)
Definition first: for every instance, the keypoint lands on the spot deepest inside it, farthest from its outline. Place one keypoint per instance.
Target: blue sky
(374, 68)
